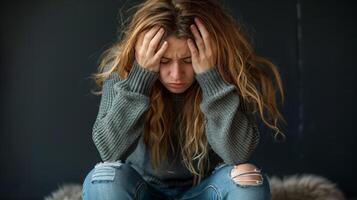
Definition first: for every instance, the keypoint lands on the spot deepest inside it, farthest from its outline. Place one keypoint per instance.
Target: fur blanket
(294, 187)
(304, 187)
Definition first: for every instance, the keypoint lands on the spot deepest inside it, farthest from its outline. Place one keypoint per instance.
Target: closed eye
(165, 61)
(185, 61)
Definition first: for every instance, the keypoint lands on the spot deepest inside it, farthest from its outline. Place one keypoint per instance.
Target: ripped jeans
(117, 181)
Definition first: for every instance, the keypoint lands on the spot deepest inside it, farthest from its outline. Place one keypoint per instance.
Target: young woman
(176, 120)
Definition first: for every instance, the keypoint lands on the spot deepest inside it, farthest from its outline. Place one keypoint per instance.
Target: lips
(176, 85)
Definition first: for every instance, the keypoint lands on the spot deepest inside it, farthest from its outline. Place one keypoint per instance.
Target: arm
(231, 132)
(120, 120)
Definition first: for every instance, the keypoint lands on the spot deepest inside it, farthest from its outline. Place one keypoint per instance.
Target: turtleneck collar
(177, 97)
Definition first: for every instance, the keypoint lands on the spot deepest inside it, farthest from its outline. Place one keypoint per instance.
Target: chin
(176, 91)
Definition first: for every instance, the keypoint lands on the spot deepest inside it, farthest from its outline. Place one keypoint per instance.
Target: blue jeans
(117, 180)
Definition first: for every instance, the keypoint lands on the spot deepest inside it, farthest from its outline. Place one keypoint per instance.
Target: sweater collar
(178, 97)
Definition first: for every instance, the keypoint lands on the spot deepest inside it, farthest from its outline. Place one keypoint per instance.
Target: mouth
(176, 85)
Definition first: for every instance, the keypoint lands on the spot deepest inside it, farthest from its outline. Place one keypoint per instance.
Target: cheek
(190, 72)
(162, 73)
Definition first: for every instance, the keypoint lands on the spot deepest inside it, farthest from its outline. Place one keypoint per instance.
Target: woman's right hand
(145, 48)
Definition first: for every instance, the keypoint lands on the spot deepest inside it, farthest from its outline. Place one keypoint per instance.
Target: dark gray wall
(49, 49)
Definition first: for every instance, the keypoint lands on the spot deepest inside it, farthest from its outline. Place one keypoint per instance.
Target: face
(176, 72)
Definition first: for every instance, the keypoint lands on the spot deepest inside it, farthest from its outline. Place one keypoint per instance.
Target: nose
(176, 72)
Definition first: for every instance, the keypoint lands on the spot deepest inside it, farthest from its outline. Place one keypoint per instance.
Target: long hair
(255, 77)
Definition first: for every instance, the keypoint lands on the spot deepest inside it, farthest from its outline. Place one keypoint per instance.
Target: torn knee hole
(109, 163)
(246, 174)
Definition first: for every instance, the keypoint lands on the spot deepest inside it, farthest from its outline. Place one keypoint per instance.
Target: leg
(115, 180)
(246, 174)
(250, 183)
(232, 182)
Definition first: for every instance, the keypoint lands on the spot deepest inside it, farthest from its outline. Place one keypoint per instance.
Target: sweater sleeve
(120, 119)
(231, 131)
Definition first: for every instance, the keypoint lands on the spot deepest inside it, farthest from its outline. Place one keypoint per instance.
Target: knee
(104, 172)
(116, 172)
(246, 174)
(109, 178)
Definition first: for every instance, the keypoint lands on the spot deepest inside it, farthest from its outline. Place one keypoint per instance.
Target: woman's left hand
(205, 57)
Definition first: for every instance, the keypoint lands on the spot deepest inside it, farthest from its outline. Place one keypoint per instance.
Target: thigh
(115, 180)
(208, 188)
(219, 185)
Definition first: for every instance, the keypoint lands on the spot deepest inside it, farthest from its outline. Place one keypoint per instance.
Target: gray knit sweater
(231, 132)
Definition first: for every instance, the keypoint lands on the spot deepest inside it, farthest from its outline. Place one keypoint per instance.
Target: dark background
(49, 49)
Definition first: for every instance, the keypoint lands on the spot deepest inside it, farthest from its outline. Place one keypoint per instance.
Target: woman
(176, 118)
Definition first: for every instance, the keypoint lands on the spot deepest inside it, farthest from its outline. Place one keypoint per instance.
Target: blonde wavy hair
(255, 77)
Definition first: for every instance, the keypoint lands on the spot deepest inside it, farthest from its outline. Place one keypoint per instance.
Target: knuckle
(206, 37)
(152, 45)
(139, 54)
(146, 37)
(150, 49)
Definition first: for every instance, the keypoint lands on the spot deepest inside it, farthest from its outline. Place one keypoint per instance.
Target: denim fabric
(117, 180)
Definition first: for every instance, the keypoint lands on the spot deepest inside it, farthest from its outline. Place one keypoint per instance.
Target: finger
(154, 42)
(161, 51)
(198, 38)
(193, 49)
(148, 36)
(139, 41)
(205, 35)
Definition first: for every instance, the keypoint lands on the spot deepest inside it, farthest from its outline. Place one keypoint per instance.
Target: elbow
(238, 149)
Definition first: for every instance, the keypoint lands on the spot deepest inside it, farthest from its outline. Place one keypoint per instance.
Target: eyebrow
(180, 58)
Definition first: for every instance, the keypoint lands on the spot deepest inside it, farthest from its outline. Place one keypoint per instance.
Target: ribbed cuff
(140, 79)
(211, 81)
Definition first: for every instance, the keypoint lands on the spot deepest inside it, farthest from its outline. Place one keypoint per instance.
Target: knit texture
(231, 132)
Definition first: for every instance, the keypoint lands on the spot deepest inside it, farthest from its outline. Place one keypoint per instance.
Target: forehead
(177, 48)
